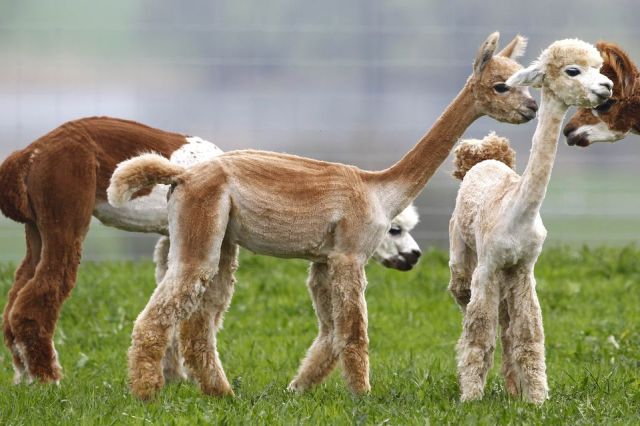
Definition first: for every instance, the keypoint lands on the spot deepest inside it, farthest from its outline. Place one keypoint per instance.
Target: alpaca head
(570, 71)
(398, 249)
(620, 114)
(488, 82)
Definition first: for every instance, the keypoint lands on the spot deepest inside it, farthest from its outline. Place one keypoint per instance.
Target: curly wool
(470, 152)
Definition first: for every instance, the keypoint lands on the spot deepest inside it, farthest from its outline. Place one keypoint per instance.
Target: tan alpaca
(496, 233)
(286, 206)
(617, 117)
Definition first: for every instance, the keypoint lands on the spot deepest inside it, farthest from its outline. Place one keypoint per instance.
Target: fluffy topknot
(470, 152)
(569, 50)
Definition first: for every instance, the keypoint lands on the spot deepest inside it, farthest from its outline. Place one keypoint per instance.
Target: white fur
(398, 250)
(599, 133)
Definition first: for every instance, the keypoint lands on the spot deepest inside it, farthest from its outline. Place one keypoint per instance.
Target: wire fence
(357, 82)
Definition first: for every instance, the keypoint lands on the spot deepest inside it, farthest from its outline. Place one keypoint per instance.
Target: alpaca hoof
(145, 381)
(146, 389)
(50, 374)
(361, 388)
(223, 390)
(296, 387)
(472, 393)
(537, 397)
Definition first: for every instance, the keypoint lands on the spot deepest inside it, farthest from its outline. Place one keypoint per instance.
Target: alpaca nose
(412, 256)
(532, 105)
(608, 85)
(568, 129)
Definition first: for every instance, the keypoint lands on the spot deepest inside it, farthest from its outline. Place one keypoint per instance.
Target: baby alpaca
(496, 232)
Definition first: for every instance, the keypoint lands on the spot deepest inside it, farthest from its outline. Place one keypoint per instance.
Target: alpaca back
(470, 152)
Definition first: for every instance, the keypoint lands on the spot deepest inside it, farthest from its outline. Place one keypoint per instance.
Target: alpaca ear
(485, 53)
(617, 62)
(515, 48)
(530, 76)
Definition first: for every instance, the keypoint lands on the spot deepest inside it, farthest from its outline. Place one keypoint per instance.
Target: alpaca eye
(606, 105)
(395, 231)
(572, 72)
(500, 87)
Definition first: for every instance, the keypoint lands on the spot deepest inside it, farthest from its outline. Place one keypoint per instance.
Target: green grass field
(590, 299)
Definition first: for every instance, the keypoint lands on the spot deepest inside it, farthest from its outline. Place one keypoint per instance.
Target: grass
(590, 299)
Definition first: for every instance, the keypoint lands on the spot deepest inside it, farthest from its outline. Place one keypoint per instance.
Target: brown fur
(334, 215)
(472, 151)
(52, 186)
(624, 115)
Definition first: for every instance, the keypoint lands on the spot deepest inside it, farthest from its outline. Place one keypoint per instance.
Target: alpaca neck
(535, 179)
(400, 184)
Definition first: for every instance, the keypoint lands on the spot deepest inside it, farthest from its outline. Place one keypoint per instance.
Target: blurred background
(355, 81)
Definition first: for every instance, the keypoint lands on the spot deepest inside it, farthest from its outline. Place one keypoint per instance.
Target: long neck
(535, 179)
(400, 184)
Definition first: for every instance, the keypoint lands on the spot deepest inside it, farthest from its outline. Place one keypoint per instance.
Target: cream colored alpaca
(496, 233)
(286, 206)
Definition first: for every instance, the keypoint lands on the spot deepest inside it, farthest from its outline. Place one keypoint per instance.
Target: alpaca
(76, 161)
(617, 117)
(496, 232)
(398, 250)
(54, 186)
(252, 199)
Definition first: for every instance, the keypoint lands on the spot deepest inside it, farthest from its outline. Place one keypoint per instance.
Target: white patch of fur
(599, 133)
(195, 151)
(22, 353)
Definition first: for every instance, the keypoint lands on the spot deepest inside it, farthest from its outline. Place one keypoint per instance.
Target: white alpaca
(496, 233)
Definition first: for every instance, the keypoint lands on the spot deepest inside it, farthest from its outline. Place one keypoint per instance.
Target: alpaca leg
(36, 309)
(172, 362)
(461, 265)
(351, 342)
(62, 218)
(321, 357)
(161, 258)
(198, 332)
(508, 369)
(197, 228)
(24, 273)
(475, 348)
(528, 341)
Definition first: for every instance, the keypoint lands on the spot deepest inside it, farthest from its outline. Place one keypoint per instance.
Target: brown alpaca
(617, 117)
(252, 198)
(54, 186)
(52, 161)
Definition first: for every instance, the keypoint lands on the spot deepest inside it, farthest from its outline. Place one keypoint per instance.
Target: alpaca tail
(470, 152)
(138, 173)
(14, 198)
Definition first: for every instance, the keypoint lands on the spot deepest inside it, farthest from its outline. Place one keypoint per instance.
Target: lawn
(590, 299)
